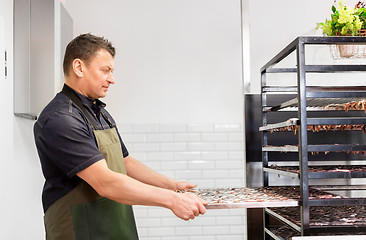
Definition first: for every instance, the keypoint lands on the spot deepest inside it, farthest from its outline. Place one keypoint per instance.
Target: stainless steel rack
(310, 98)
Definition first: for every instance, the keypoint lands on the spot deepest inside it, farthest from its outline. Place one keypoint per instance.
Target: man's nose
(110, 78)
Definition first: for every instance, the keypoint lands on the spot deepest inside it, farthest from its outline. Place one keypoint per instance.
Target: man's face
(98, 75)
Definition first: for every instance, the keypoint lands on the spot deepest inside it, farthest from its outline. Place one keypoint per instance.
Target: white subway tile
(237, 173)
(160, 156)
(143, 232)
(201, 164)
(230, 220)
(215, 174)
(201, 146)
(139, 212)
(159, 212)
(173, 221)
(187, 137)
(139, 156)
(216, 230)
(159, 137)
(186, 231)
(229, 164)
(187, 155)
(215, 155)
(173, 128)
(146, 147)
(145, 128)
(231, 237)
(238, 229)
(148, 222)
(203, 183)
(134, 138)
(153, 165)
(229, 183)
(201, 237)
(173, 146)
(214, 137)
(161, 231)
(237, 212)
(168, 173)
(219, 212)
(203, 220)
(236, 155)
(200, 127)
(141, 207)
(124, 128)
(174, 165)
(129, 147)
(236, 137)
(227, 127)
(174, 238)
(229, 146)
(205, 154)
(188, 174)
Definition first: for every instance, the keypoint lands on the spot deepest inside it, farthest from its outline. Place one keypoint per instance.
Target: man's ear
(78, 67)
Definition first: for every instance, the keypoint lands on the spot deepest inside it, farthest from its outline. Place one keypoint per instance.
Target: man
(91, 180)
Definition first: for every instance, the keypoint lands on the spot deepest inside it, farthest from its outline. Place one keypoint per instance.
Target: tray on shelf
(329, 216)
(281, 232)
(315, 149)
(323, 103)
(318, 124)
(330, 171)
(329, 89)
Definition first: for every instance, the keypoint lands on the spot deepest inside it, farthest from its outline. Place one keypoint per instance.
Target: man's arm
(126, 190)
(142, 173)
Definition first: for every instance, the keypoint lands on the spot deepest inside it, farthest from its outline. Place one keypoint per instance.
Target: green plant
(345, 21)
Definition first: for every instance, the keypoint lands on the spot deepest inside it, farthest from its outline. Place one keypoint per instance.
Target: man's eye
(108, 70)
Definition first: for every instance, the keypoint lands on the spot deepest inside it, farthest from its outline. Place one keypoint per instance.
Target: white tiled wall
(210, 155)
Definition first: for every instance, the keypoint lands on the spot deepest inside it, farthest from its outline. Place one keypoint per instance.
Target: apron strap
(70, 94)
(107, 120)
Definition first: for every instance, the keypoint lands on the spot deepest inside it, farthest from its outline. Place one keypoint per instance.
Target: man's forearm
(124, 189)
(139, 171)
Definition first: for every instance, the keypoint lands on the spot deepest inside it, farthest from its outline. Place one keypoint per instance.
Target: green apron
(84, 215)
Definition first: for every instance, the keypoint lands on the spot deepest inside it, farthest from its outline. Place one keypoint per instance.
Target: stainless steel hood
(42, 28)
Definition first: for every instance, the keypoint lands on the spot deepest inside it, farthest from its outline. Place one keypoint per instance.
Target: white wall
(177, 61)
(274, 24)
(21, 178)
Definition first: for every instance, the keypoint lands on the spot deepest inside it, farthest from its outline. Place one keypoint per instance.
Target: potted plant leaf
(346, 21)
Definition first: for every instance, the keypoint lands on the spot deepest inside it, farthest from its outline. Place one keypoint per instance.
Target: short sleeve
(66, 140)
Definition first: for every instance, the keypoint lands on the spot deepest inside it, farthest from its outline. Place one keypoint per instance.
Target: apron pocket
(103, 219)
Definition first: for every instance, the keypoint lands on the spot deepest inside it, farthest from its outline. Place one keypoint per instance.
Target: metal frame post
(303, 140)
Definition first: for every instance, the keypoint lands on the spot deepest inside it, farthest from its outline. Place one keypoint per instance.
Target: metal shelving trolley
(329, 128)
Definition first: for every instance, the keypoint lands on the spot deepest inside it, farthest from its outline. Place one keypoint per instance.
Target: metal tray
(357, 123)
(321, 172)
(318, 103)
(227, 198)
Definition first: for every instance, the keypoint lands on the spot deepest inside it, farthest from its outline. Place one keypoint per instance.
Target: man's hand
(187, 205)
(183, 185)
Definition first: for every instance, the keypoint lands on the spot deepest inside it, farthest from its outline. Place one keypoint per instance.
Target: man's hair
(84, 47)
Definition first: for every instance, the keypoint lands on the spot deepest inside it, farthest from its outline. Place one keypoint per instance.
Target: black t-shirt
(66, 144)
